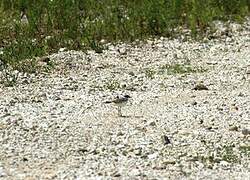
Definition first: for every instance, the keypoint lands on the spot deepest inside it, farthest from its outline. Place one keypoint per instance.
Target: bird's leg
(119, 111)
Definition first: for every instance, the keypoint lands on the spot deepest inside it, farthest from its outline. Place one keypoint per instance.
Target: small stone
(103, 41)
(2, 172)
(209, 128)
(131, 73)
(241, 94)
(194, 103)
(44, 59)
(25, 159)
(152, 123)
(138, 151)
(200, 87)
(225, 164)
(212, 63)
(82, 151)
(153, 156)
(166, 140)
(62, 49)
(120, 133)
(234, 128)
(170, 162)
(122, 51)
(134, 172)
(245, 131)
(116, 174)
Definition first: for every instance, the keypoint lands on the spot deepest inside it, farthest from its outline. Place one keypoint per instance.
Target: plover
(120, 101)
(24, 18)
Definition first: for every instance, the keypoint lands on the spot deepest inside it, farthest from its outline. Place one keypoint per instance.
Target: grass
(181, 69)
(245, 150)
(112, 85)
(83, 24)
(228, 153)
(150, 73)
(173, 69)
(10, 78)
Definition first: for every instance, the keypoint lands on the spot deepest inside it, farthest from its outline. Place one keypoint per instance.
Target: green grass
(172, 70)
(181, 69)
(112, 85)
(245, 150)
(82, 24)
(150, 73)
(227, 153)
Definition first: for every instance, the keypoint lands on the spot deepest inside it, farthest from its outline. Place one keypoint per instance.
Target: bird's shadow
(125, 116)
(129, 116)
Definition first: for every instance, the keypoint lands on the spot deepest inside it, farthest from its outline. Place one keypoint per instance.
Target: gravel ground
(188, 118)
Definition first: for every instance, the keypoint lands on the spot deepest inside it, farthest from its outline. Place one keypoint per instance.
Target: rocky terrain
(188, 118)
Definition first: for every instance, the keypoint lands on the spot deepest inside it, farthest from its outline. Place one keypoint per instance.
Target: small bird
(120, 101)
(24, 18)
